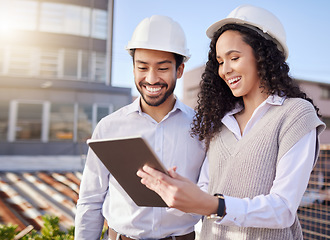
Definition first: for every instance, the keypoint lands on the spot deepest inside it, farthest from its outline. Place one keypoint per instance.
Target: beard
(155, 101)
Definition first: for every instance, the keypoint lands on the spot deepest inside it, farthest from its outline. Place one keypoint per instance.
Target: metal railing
(314, 210)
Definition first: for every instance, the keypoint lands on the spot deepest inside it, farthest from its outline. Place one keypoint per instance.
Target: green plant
(7, 232)
(50, 231)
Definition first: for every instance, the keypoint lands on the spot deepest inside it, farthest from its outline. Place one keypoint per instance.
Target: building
(55, 63)
(319, 92)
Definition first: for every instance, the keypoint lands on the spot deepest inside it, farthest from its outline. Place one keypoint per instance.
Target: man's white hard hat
(159, 33)
(259, 19)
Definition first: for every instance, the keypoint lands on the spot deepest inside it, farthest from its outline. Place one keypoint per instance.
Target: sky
(307, 25)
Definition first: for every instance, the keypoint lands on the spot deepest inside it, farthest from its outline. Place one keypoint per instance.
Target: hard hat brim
(217, 25)
(184, 53)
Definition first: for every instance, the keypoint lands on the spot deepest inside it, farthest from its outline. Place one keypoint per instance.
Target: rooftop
(31, 187)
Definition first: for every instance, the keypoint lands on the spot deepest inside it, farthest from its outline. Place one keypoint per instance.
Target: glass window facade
(25, 14)
(49, 63)
(84, 65)
(20, 61)
(325, 93)
(18, 14)
(53, 63)
(326, 120)
(70, 64)
(29, 121)
(102, 112)
(2, 58)
(4, 110)
(49, 122)
(65, 18)
(85, 122)
(61, 122)
(53, 17)
(98, 67)
(100, 24)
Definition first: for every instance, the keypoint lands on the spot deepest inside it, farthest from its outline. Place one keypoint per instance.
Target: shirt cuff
(235, 212)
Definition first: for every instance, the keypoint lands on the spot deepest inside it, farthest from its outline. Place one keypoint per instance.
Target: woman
(261, 132)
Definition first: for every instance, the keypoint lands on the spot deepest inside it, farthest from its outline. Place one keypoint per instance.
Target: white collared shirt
(277, 209)
(102, 197)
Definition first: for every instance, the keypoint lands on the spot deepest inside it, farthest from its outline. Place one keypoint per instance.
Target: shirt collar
(180, 106)
(275, 100)
(271, 100)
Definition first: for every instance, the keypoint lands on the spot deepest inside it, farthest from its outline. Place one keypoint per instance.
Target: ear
(180, 70)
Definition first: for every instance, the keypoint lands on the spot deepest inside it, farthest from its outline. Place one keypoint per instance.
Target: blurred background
(63, 66)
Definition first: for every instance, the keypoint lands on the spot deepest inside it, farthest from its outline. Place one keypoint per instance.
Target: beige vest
(247, 167)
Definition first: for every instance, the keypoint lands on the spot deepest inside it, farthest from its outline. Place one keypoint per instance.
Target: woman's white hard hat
(159, 33)
(259, 19)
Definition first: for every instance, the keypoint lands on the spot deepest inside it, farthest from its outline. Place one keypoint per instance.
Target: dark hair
(215, 98)
(178, 58)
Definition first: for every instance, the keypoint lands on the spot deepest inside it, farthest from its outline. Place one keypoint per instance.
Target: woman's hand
(178, 192)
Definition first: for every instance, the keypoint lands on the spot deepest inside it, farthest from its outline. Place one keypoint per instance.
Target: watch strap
(221, 207)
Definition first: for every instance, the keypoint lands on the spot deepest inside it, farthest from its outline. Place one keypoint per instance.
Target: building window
(53, 63)
(43, 121)
(325, 94)
(19, 14)
(88, 117)
(98, 67)
(25, 14)
(326, 120)
(61, 123)
(100, 24)
(2, 59)
(85, 121)
(20, 61)
(29, 121)
(102, 112)
(65, 18)
(4, 110)
(70, 63)
(53, 17)
(49, 63)
(76, 20)
(84, 66)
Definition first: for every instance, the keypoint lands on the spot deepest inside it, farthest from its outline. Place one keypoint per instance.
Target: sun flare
(7, 23)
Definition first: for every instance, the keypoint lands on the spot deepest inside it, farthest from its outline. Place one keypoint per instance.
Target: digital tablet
(123, 157)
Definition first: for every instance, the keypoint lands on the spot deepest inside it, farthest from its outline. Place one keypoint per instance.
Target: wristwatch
(221, 212)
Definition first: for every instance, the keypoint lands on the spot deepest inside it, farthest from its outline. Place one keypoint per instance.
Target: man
(158, 48)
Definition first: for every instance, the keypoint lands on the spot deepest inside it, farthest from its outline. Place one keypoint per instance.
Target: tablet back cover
(123, 157)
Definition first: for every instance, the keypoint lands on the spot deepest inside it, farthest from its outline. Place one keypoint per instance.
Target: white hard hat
(159, 33)
(259, 18)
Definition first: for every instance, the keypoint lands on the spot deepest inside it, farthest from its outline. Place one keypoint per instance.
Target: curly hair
(215, 98)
